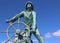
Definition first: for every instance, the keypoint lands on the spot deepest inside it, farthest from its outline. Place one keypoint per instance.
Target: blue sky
(48, 17)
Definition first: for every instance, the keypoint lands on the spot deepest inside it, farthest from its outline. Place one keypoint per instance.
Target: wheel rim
(7, 32)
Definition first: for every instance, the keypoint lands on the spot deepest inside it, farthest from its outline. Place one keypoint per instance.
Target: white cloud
(48, 35)
(54, 34)
(57, 33)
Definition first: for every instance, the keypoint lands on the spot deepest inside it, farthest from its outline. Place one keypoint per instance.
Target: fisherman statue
(29, 16)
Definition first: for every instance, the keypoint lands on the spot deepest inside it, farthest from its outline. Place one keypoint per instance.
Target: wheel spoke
(3, 32)
(7, 41)
(12, 36)
(11, 25)
(18, 23)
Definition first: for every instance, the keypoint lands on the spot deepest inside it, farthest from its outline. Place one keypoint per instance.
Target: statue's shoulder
(33, 12)
(22, 12)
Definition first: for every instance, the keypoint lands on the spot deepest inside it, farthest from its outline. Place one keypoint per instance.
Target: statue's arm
(16, 17)
(34, 21)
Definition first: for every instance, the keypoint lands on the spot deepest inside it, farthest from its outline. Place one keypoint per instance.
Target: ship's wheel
(13, 30)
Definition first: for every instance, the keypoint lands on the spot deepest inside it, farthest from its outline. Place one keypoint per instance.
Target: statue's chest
(28, 15)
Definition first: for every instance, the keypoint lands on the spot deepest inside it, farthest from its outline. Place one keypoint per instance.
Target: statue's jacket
(29, 18)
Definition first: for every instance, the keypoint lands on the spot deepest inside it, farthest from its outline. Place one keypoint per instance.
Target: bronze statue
(29, 16)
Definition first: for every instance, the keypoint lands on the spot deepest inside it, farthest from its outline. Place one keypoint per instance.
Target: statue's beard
(29, 9)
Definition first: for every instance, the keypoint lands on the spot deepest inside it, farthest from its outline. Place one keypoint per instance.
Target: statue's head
(29, 6)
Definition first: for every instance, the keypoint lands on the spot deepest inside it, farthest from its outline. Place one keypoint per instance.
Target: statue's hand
(7, 21)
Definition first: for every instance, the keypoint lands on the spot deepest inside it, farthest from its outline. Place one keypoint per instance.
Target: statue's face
(29, 5)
